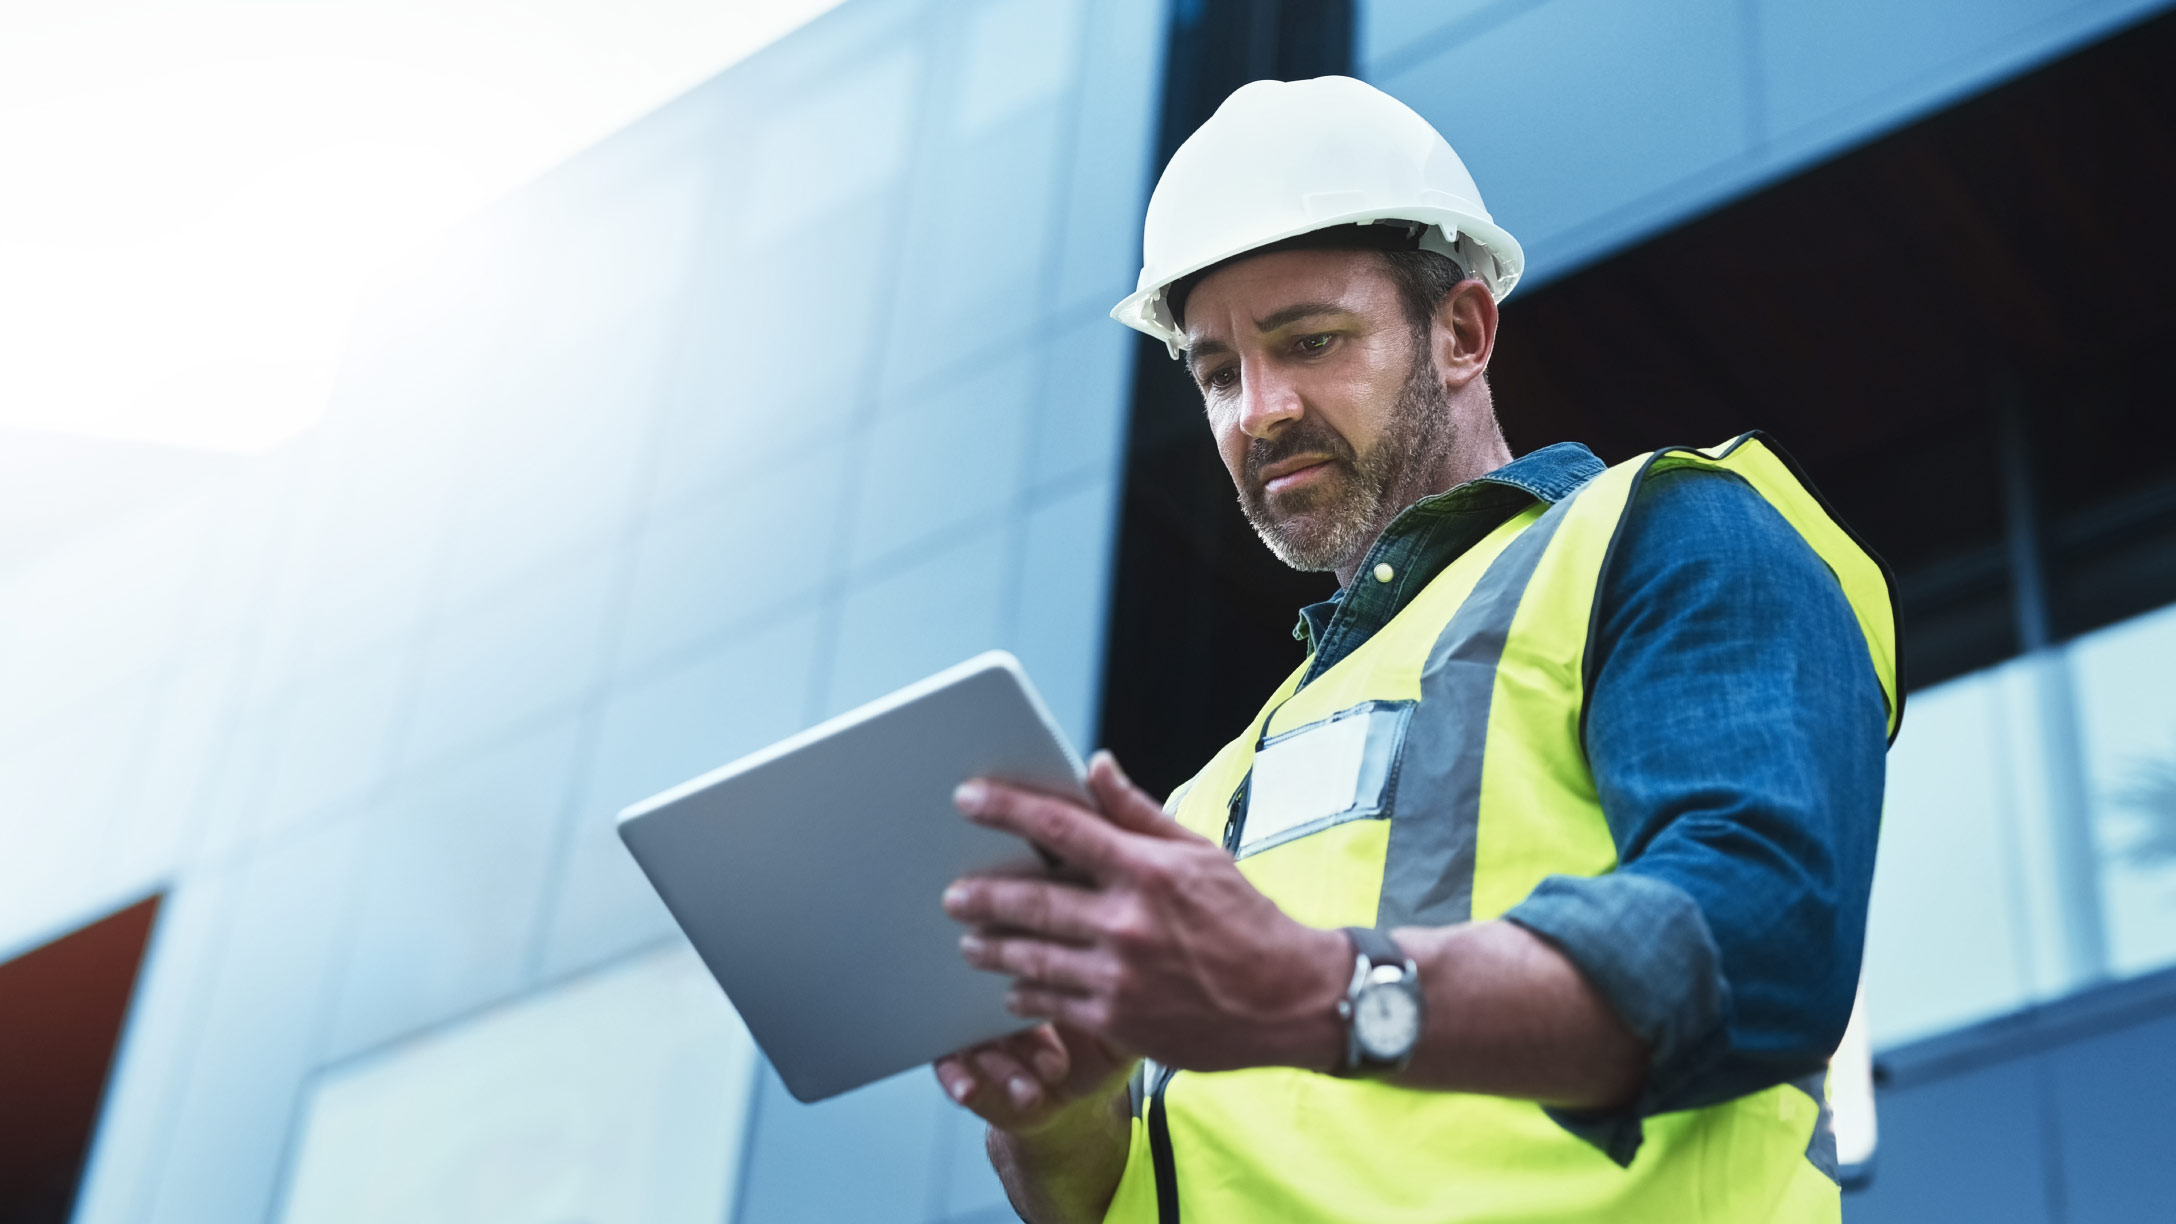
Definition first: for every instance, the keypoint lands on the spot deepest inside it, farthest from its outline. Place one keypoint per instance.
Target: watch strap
(1376, 945)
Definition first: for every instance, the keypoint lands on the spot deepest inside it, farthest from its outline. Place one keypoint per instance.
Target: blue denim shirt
(1736, 732)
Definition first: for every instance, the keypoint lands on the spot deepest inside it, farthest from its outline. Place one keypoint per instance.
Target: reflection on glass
(2150, 798)
(2127, 707)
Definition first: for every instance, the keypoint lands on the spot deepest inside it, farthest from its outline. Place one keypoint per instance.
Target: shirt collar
(1432, 532)
(1550, 474)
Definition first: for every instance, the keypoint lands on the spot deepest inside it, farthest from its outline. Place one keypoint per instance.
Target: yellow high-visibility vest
(1358, 814)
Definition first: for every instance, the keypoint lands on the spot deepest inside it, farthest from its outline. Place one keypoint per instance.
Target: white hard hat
(1284, 158)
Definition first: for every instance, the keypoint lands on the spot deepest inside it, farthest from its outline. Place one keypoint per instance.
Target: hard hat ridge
(1280, 159)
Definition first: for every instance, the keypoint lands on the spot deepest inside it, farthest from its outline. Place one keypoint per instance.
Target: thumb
(1124, 804)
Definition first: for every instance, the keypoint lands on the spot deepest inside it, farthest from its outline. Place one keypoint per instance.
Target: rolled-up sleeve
(1736, 733)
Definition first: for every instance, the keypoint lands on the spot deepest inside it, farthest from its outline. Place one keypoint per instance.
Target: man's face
(1324, 400)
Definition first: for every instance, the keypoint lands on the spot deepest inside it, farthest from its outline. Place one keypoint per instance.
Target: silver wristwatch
(1382, 1008)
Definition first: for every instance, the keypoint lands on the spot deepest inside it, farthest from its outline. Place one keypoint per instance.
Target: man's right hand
(1029, 1082)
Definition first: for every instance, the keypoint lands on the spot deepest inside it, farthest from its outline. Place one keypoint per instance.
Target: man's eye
(1314, 344)
(1221, 379)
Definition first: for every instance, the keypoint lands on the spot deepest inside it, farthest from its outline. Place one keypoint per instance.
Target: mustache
(1306, 436)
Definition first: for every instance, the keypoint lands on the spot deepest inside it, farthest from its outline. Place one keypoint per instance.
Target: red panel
(61, 1011)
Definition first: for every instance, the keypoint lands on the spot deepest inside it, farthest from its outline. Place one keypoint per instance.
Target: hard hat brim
(1143, 310)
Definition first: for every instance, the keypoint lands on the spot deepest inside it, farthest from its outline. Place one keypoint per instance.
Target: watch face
(1386, 1021)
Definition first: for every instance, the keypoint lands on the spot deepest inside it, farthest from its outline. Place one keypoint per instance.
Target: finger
(1022, 1089)
(1041, 1048)
(958, 1082)
(1060, 911)
(1080, 837)
(1085, 1049)
(1035, 960)
(1074, 1010)
(1127, 805)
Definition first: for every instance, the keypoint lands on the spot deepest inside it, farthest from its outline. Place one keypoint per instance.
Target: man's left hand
(1169, 951)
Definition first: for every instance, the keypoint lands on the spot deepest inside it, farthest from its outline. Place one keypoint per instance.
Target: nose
(1266, 402)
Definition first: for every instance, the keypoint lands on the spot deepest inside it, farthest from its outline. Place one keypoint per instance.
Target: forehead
(1237, 297)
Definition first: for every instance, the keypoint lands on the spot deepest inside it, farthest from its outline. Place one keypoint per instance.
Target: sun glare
(199, 195)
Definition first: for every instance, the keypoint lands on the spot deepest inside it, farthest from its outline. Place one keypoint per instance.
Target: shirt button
(1383, 572)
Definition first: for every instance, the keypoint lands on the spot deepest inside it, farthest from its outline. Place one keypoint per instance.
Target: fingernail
(968, 796)
(1023, 1091)
(972, 945)
(960, 1089)
(955, 899)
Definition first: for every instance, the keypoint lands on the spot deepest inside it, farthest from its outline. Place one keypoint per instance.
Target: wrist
(1383, 1011)
(1069, 1169)
(1309, 1034)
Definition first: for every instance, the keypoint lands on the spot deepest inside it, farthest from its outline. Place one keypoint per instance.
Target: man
(1537, 891)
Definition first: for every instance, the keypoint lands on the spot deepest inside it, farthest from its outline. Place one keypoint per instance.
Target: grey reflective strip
(1821, 1148)
(1428, 873)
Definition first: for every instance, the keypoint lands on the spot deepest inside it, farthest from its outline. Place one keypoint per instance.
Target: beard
(1328, 522)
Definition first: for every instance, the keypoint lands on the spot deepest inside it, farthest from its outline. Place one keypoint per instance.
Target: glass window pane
(2126, 678)
(617, 1099)
(1942, 944)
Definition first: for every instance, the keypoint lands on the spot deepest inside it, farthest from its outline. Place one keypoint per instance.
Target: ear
(1463, 334)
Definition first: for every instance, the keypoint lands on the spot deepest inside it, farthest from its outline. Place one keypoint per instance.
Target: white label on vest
(1322, 774)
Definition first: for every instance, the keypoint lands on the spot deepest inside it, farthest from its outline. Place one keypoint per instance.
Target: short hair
(1423, 278)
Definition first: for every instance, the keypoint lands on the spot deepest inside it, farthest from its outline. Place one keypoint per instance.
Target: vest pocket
(1314, 777)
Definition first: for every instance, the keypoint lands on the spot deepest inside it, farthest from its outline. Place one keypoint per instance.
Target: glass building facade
(795, 391)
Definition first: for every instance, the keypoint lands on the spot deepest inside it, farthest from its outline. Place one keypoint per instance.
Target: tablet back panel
(808, 875)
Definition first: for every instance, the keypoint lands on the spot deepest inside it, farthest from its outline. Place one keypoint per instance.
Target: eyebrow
(1282, 317)
(1205, 348)
(1294, 313)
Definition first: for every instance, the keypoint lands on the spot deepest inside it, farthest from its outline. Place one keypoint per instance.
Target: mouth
(1294, 472)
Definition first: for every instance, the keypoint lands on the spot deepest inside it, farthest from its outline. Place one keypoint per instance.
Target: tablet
(808, 875)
